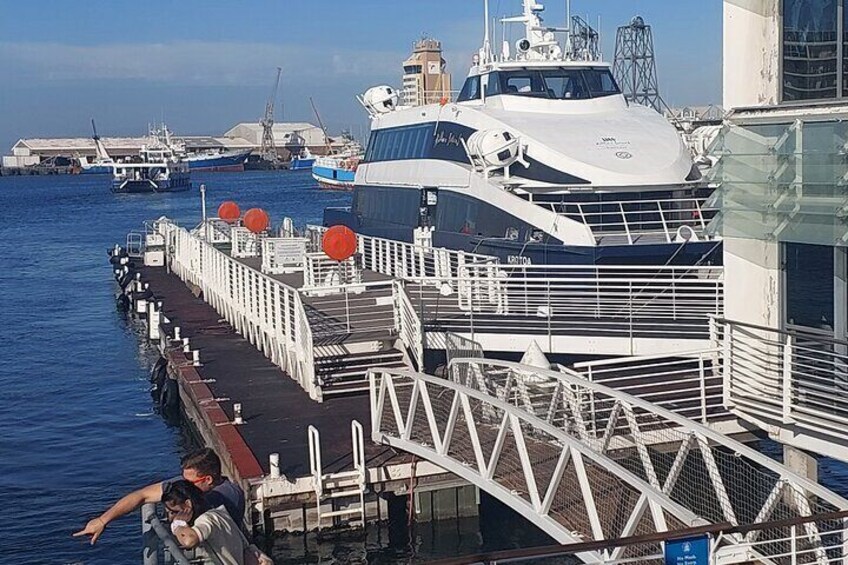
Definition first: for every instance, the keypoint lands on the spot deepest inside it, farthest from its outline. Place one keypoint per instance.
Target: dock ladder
(340, 486)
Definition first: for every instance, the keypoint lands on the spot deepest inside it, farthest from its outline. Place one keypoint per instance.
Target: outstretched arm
(95, 527)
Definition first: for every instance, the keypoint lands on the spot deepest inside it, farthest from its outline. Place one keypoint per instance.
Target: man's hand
(94, 528)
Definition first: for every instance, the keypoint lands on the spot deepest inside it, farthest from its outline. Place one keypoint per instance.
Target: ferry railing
(269, 313)
(319, 271)
(415, 97)
(408, 261)
(686, 383)
(631, 301)
(408, 323)
(793, 382)
(606, 472)
(634, 220)
(350, 309)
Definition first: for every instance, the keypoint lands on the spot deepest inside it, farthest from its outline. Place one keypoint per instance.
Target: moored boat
(335, 172)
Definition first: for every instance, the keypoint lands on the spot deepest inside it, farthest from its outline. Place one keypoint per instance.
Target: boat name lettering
(449, 139)
(518, 260)
(612, 143)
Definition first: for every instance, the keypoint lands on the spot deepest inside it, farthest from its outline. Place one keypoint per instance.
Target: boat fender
(125, 281)
(169, 396)
(123, 302)
(158, 374)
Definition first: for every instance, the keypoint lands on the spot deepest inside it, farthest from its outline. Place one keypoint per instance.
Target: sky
(205, 65)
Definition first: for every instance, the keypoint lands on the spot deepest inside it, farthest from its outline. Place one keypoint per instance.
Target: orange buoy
(339, 243)
(256, 220)
(229, 211)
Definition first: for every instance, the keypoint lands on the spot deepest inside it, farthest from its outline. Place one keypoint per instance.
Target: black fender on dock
(123, 302)
(158, 375)
(169, 397)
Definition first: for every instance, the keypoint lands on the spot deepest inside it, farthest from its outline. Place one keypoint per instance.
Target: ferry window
(525, 83)
(600, 82)
(493, 84)
(470, 90)
(565, 85)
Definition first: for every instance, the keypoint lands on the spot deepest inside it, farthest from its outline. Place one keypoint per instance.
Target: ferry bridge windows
(470, 90)
(557, 83)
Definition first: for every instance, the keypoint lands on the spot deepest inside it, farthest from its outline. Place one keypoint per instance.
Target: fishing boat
(217, 161)
(302, 161)
(539, 160)
(158, 168)
(335, 172)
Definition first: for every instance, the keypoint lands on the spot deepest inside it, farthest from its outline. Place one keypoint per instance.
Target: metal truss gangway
(585, 462)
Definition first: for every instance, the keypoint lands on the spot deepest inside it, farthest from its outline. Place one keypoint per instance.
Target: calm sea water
(76, 426)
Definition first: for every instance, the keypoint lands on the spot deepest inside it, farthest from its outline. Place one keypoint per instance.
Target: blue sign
(688, 551)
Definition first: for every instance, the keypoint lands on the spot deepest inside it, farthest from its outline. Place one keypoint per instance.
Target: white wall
(751, 67)
(752, 281)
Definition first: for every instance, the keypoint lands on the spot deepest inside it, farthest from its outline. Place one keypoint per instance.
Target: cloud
(188, 63)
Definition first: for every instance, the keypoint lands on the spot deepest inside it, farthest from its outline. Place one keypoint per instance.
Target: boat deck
(277, 412)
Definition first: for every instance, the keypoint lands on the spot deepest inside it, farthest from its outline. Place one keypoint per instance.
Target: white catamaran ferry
(539, 160)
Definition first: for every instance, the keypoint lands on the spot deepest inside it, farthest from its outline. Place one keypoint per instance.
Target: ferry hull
(232, 162)
(150, 186)
(334, 179)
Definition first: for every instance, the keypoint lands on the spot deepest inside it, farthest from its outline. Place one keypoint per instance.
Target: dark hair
(178, 492)
(204, 461)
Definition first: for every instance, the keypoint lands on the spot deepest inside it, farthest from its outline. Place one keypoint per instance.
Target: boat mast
(321, 124)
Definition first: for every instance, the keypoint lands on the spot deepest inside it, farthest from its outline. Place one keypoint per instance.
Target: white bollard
(274, 459)
(237, 419)
(186, 346)
(177, 333)
(195, 358)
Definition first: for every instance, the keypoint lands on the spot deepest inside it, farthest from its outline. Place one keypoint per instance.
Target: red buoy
(256, 220)
(339, 243)
(229, 211)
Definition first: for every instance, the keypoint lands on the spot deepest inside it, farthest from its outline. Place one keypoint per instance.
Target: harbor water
(78, 429)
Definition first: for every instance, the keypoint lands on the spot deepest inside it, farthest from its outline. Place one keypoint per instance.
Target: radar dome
(494, 148)
(381, 99)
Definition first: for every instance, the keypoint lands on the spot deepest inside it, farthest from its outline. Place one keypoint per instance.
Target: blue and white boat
(158, 168)
(335, 172)
(218, 161)
(540, 160)
(303, 161)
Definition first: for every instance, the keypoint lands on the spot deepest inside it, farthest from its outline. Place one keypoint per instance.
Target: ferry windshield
(557, 84)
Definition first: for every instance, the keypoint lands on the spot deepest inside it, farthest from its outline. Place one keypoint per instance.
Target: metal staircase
(344, 491)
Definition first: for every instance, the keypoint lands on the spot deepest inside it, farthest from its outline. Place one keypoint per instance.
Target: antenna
(486, 44)
(568, 27)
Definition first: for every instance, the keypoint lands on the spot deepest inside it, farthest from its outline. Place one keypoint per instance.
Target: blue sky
(205, 65)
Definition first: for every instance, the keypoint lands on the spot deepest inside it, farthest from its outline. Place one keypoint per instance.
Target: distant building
(289, 138)
(425, 80)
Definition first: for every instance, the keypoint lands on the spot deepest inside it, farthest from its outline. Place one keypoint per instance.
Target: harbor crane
(268, 150)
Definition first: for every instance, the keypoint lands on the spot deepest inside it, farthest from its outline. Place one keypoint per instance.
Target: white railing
(408, 323)
(605, 473)
(267, 312)
(319, 271)
(793, 382)
(603, 300)
(283, 254)
(244, 243)
(634, 220)
(215, 230)
(337, 312)
(686, 383)
(407, 261)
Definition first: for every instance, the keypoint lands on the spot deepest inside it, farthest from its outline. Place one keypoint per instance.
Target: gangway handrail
(689, 354)
(155, 533)
(574, 379)
(790, 330)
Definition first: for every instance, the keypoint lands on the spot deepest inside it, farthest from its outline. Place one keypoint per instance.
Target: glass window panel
(809, 285)
(470, 90)
(810, 49)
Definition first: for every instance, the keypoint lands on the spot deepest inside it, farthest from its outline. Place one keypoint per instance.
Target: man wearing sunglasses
(202, 468)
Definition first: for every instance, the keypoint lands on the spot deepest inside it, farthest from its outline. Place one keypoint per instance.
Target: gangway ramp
(598, 463)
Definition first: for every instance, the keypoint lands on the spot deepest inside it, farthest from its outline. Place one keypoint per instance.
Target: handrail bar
(572, 378)
(150, 522)
(689, 355)
(791, 331)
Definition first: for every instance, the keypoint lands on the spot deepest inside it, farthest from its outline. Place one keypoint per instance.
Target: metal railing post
(703, 379)
(788, 348)
(150, 553)
(793, 544)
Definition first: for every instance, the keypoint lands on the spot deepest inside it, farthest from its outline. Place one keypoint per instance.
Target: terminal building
(425, 79)
(289, 138)
(782, 179)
